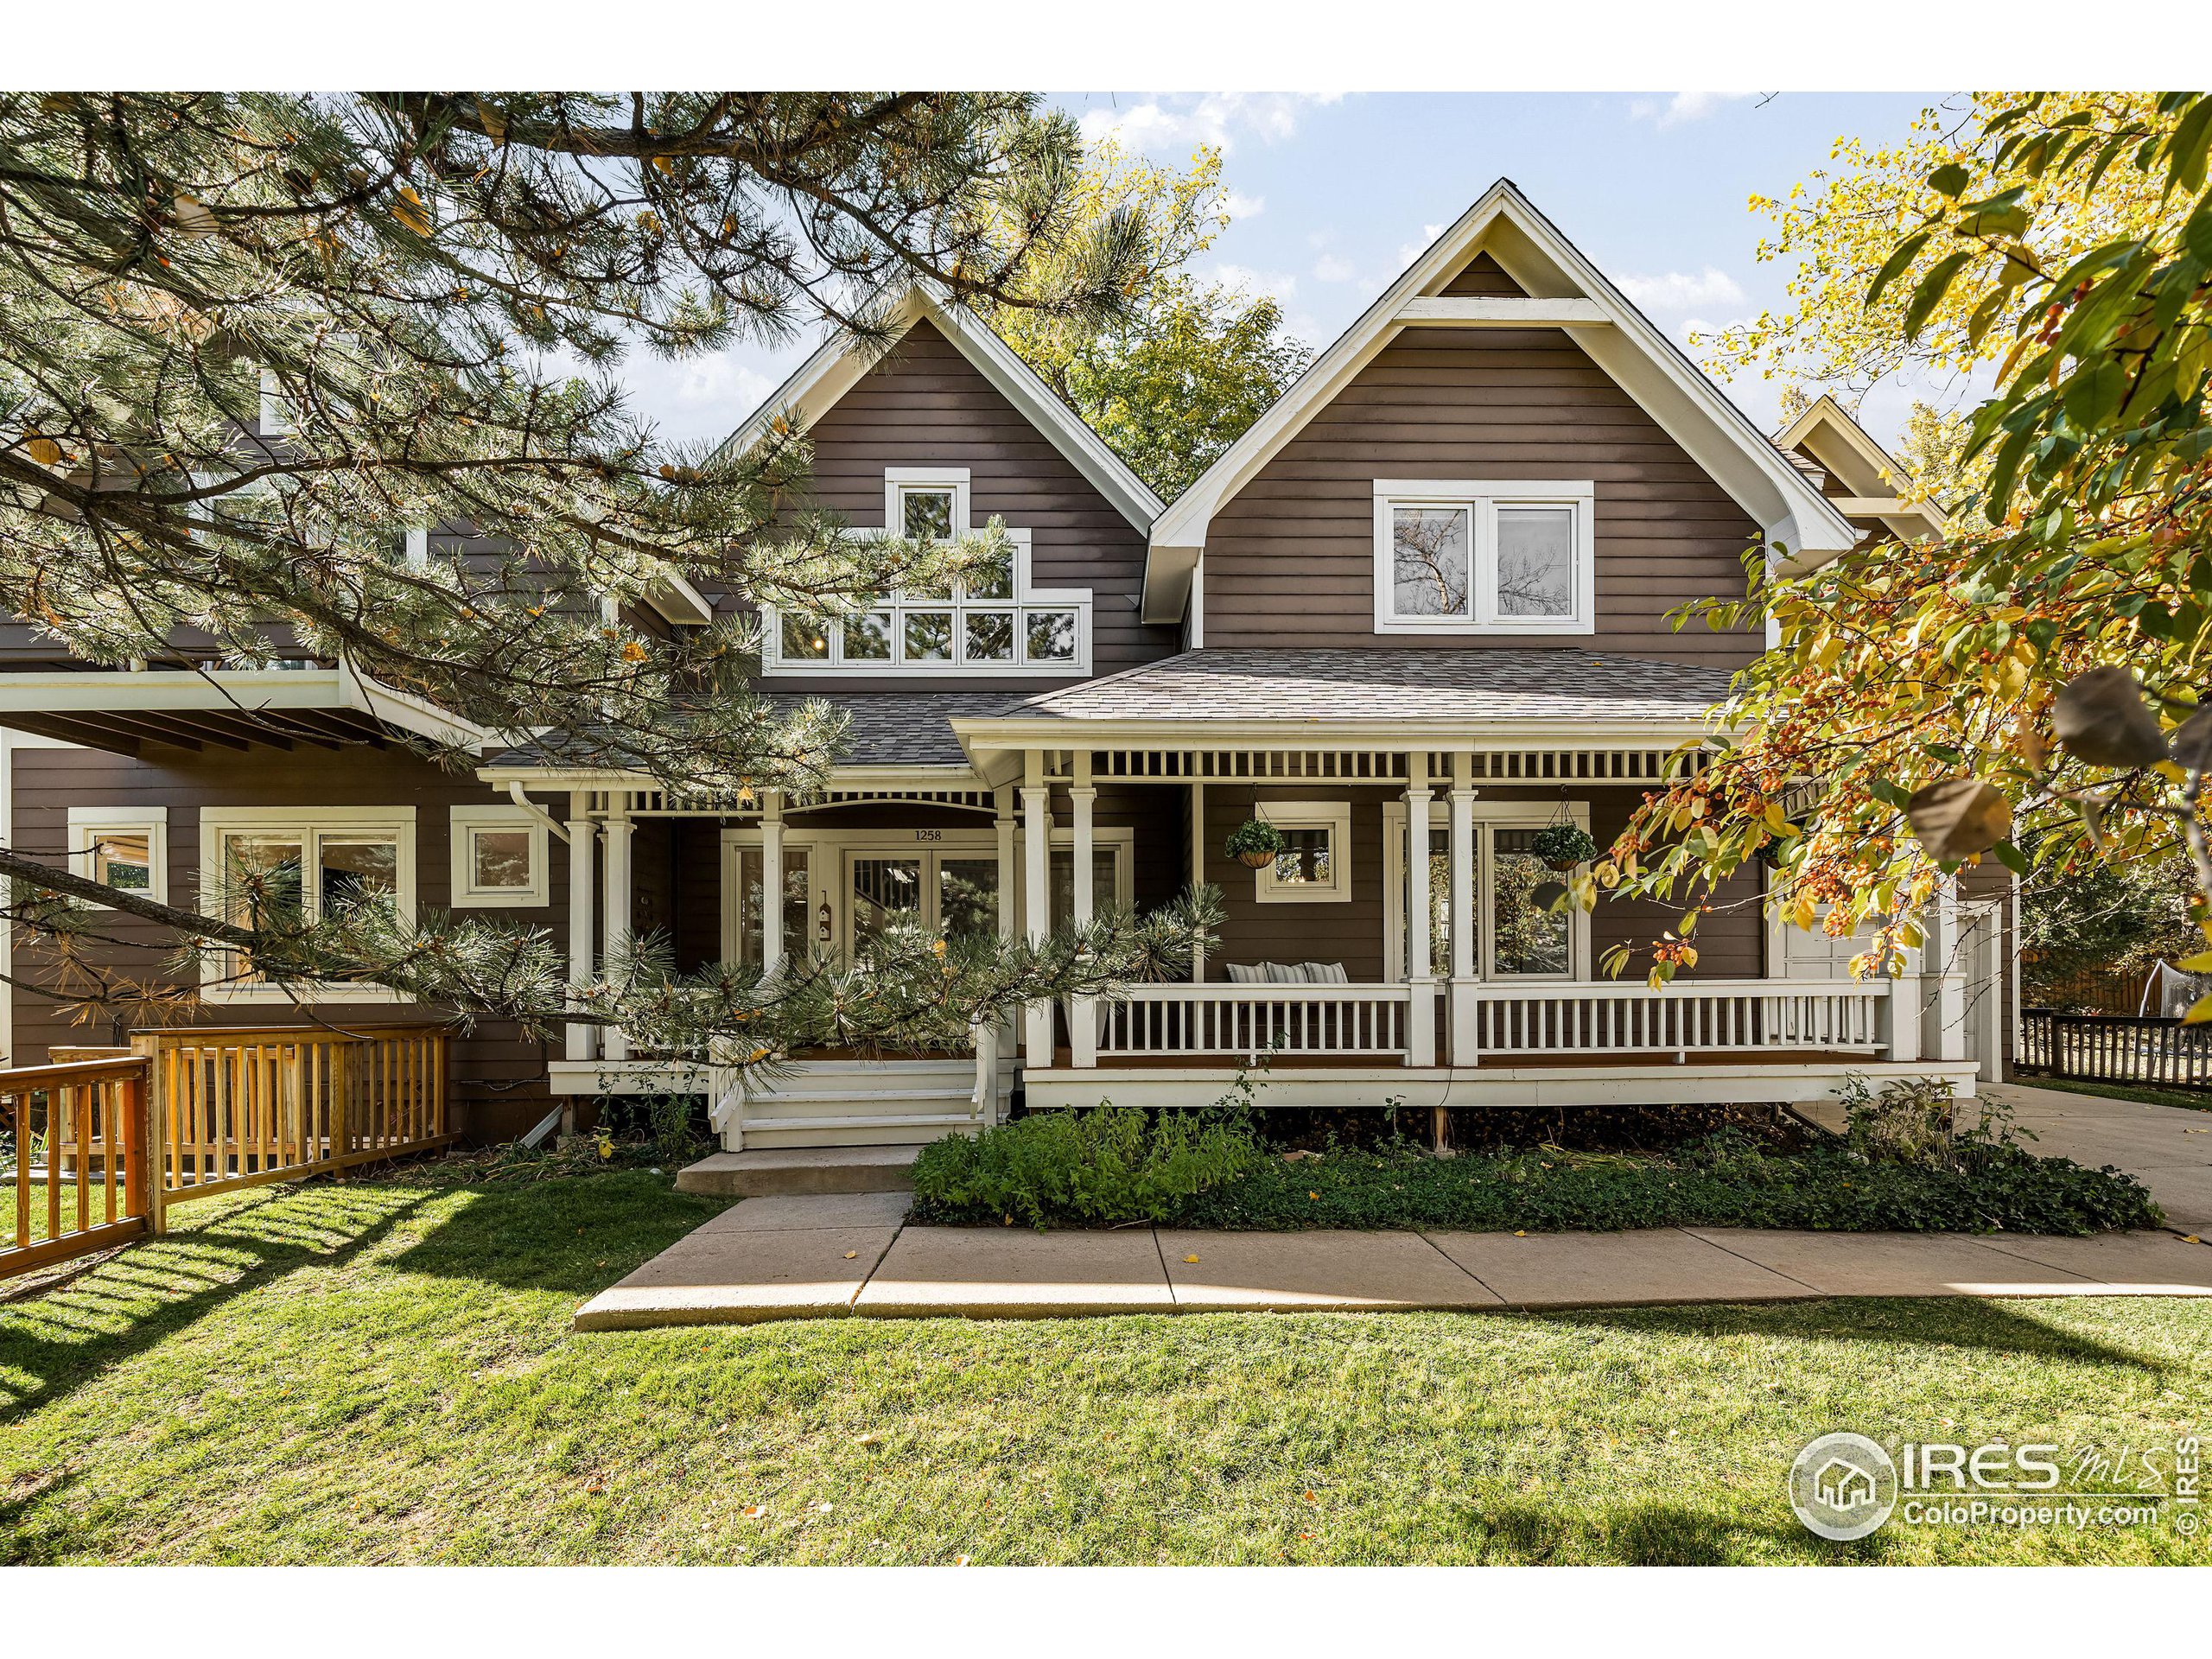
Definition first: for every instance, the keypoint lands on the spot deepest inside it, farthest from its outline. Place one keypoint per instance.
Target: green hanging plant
(1563, 845)
(1255, 843)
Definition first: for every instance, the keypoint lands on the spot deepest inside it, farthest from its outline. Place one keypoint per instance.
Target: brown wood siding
(1290, 560)
(1482, 275)
(925, 405)
(493, 1062)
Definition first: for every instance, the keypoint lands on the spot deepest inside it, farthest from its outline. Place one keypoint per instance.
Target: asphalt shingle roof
(891, 729)
(1328, 684)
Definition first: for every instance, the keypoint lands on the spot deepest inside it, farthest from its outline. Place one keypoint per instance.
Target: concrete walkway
(830, 1256)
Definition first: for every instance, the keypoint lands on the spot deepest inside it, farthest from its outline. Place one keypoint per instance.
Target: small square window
(926, 515)
(991, 578)
(124, 859)
(990, 636)
(1311, 867)
(929, 637)
(867, 638)
(805, 639)
(1050, 636)
(499, 859)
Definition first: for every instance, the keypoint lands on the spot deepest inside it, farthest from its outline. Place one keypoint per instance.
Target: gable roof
(838, 366)
(1869, 474)
(1562, 290)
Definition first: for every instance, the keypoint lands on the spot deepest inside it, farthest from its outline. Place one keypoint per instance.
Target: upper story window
(994, 621)
(1464, 556)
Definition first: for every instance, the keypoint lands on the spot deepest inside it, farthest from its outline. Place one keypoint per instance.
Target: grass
(2194, 1101)
(375, 1371)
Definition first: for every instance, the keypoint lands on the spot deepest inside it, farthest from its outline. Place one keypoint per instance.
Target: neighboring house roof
(1869, 474)
(895, 729)
(838, 365)
(1578, 693)
(1562, 288)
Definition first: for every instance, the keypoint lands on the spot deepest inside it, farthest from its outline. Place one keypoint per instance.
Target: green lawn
(383, 1372)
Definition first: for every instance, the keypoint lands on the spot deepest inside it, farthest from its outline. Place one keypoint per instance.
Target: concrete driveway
(2167, 1148)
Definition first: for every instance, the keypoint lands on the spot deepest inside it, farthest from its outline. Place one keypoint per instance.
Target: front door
(950, 893)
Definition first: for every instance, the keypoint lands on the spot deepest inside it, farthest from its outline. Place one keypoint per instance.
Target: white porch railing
(1492, 1021)
(1687, 1017)
(1248, 1020)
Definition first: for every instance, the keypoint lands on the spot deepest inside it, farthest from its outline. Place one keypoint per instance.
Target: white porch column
(1083, 1011)
(1941, 1003)
(615, 1045)
(1009, 876)
(1464, 1006)
(1421, 1017)
(1197, 868)
(583, 1040)
(771, 881)
(1036, 898)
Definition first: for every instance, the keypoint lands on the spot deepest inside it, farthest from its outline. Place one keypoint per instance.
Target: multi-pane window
(261, 864)
(1463, 557)
(991, 621)
(1513, 932)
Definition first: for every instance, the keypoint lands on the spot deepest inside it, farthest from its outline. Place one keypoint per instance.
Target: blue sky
(1333, 195)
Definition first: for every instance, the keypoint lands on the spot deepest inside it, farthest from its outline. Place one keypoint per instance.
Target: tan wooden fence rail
(76, 1165)
(98, 1148)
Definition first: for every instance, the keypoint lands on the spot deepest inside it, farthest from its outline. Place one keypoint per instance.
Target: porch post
(1463, 1004)
(1421, 977)
(1036, 898)
(582, 1039)
(1083, 1011)
(1009, 876)
(615, 935)
(1942, 1001)
(771, 881)
(1197, 868)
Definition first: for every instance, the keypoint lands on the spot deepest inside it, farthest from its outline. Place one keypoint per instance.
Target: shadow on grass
(1648, 1533)
(1943, 1321)
(576, 1236)
(55, 1344)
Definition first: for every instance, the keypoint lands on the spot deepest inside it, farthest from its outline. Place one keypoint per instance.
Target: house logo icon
(1843, 1486)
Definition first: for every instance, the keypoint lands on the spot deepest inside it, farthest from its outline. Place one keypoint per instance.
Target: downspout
(520, 797)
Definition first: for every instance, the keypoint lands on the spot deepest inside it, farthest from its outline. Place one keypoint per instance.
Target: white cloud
(1218, 119)
(1413, 251)
(1680, 291)
(1682, 107)
(1243, 206)
(1330, 269)
(1279, 283)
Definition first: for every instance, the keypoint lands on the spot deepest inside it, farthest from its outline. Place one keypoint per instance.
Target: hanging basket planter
(1255, 843)
(1563, 845)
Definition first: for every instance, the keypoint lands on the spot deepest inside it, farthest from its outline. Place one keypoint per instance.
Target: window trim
(216, 822)
(85, 822)
(278, 418)
(1025, 602)
(1481, 498)
(1488, 815)
(1335, 817)
(462, 823)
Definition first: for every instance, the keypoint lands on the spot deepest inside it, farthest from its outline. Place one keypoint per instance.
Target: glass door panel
(1104, 887)
(1439, 903)
(884, 891)
(797, 929)
(967, 896)
(1530, 939)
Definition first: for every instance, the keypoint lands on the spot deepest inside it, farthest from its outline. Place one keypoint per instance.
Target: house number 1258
(928, 835)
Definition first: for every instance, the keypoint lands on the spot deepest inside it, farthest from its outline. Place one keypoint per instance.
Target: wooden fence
(2115, 1048)
(97, 1148)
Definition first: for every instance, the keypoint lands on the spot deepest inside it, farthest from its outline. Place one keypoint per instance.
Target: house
(1415, 616)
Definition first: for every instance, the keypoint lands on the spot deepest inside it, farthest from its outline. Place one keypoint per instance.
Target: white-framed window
(1459, 556)
(124, 846)
(996, 621)
(1516, 936)
(1315, 864)
(316, 857)
(499, 855)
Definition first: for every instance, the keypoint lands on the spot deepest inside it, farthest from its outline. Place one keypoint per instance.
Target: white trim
(1026, 602)
(1639, 358)
(1333, 817)
(277, 415)
(1488, 816)
(235, 690)
(85, 821)
(837, 366)
(900, 481)
(309, 822)
(462, 823)
(1480, 500)
(987, 733)
(1502, 311)
(1826, 419)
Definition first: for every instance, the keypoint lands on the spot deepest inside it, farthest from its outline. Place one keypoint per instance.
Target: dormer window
(1465, 556)
(993, 621)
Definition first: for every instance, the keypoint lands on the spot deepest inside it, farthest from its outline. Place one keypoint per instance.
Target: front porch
(1352, 972)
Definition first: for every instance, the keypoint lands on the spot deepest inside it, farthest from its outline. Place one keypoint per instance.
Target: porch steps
(800, 1170)
(828, 1103)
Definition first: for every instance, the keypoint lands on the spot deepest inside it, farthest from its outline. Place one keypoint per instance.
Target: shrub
(1563, 844)
(1102, 1167)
